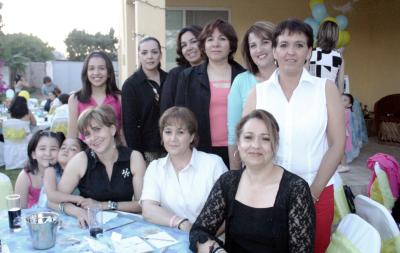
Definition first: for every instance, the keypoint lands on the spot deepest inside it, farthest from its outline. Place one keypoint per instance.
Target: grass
(12, 174)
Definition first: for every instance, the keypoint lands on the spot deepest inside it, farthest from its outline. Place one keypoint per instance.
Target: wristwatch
(112, 205)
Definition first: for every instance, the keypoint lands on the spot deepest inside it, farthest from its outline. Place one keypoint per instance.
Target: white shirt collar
(305, 77)
(166, 162)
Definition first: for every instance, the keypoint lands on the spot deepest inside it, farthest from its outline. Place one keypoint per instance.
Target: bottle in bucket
(14, 212)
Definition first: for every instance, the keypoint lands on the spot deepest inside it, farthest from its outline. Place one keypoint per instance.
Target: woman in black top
(265, 207)
(204, 88)
(105, 173)
(141, 101)
(189, 55)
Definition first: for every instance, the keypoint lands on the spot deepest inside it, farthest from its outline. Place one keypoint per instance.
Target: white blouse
(302, 123)
(184, 193)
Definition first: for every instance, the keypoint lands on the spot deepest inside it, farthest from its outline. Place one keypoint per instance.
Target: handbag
(349, 197)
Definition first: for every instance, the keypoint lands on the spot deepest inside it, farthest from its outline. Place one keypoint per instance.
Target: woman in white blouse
(310, 116)
(177, 186)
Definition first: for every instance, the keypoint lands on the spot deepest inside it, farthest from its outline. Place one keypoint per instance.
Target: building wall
(371, 55)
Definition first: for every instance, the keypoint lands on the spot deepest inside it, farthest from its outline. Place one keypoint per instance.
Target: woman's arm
(22, 188)
(234, 115)
(251, 102)
(301, 218)
(73, 116)
(50, 185)
(209, 220)
(73, 173)
(336, 140)
(169, 90)
(32, 119)
(131, 116)
(341, 78)
(121, 128)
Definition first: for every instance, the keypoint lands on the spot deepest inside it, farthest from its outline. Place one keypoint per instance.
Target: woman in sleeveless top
(106, 173)
(310, 115)
(98, 87)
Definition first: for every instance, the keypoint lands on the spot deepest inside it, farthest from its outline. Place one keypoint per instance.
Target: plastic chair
(381, 219)
(16, 134)
(341, 207)
(380, 188)
(5, 189)
(59, 124)
(354, 235)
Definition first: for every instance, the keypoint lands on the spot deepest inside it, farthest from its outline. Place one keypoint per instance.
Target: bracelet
(172, 221)
(61, 207)
(218, 249)
(181, 222)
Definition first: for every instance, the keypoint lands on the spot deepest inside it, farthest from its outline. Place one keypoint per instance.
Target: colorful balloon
(342, 22)
(314, 25)
(10, 94)
(329, 19)
(319, 12)
(314, 2)
(344, 39)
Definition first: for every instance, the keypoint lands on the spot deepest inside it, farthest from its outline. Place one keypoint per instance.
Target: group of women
(279, 129)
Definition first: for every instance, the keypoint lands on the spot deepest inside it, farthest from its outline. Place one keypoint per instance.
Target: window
(177, 19)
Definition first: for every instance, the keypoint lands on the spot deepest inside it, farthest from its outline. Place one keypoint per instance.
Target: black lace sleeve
(211, 217)
(301, 218)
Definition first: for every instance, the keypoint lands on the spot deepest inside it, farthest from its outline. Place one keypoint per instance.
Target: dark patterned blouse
(288, 226)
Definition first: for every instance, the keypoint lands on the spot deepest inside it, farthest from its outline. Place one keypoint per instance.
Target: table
(71, 238)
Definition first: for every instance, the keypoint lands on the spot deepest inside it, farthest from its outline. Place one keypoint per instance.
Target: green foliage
(1, 18)
(18, 49)
(80, 44)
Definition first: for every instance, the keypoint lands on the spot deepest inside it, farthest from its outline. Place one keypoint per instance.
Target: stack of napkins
(160, 240)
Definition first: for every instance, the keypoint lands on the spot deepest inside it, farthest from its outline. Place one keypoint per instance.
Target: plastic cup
(95, 220)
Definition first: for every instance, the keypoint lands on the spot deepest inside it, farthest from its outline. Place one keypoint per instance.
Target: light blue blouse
(241, 87)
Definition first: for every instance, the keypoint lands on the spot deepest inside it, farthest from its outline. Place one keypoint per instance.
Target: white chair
(60, 124)
(354, 235)
(16, 134)
(341, 207)
(381, 219)
(5, 189)
(380, 188)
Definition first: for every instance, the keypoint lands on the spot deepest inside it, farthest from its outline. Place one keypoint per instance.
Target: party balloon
(344, 39)
(332, 19)
(314, 2)
(342, 22)
(319, 12)
(314, 25)
(10, 94)
(25, 94)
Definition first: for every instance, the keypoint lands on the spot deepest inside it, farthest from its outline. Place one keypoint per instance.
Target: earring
(235, 153)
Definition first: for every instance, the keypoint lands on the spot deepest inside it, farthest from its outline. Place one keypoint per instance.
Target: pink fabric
(392, 169)
(109, 100)
(349, 137)
(33, 193)
(218, 114)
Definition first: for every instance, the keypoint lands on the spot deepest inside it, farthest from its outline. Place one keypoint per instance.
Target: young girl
(98, 87)
(69, 148)
(42, 151)
(348, 104)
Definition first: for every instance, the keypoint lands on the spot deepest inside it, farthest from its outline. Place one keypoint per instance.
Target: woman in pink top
(42, 152)
(98, 88)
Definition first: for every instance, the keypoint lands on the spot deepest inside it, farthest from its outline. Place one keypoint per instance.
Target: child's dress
(33, 193)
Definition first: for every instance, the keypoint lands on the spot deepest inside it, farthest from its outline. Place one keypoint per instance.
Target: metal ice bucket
(43, 229)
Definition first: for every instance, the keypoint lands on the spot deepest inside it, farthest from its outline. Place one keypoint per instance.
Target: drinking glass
(14, 212)
(95, 220)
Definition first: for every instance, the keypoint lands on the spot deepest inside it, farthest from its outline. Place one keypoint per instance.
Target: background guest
(19, 110)
(189, 55)
(257, 54)
(204, 88)
(141, 101)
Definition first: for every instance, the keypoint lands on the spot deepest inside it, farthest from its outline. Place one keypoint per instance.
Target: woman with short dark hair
(204, 88)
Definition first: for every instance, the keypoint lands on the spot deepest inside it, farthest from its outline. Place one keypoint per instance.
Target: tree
(80, 44)
(1, 18)
(18, 49)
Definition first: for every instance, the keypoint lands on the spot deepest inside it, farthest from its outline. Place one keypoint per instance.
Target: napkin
(160, 240)
(131, 244)
(107, 216)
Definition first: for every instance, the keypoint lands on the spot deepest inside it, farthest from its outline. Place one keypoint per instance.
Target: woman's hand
(85, 203)
(78, 200)
(82, 218)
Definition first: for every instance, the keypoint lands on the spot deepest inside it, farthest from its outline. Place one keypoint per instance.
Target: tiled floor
(358, 176)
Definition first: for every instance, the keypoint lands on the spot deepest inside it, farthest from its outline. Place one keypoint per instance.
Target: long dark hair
(84, 94)
(32, 164)
(181, 60)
